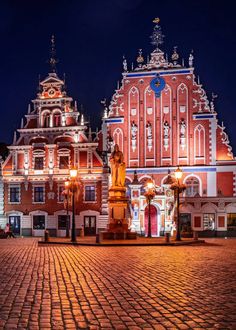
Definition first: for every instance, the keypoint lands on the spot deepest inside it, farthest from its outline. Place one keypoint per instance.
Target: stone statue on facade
(134, 130)
(166, 128)
(117, 167)
(149, 130)
(182, 128)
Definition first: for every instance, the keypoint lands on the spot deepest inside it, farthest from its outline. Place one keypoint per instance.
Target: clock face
(51, 92)
(157, 85)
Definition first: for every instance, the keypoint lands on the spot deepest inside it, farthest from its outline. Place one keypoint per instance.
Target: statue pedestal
(118, 214)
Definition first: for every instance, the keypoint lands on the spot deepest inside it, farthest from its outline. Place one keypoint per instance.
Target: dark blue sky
(91, 38)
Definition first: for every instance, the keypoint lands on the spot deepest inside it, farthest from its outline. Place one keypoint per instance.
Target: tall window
(14, 194)
(90, 193)
(64, 162)
(47, 120)
(61, 196)
(38, 163)
(39, 194)
(192, 186)
(57, 120)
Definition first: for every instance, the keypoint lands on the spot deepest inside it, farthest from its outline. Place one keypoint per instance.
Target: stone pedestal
(118, 214)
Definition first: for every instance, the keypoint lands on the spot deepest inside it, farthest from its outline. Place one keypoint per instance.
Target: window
(64, 162)
(38, 163)
(208, 221)
(39, 222)
(61, 196)
(14, 194)
(57, 120)
(90, 193)
(62, 221)
(231, 221)
(192, 186)
(38, 194)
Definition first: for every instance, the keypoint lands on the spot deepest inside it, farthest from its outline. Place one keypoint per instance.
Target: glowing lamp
(178, 173)
(73, 173)
(150, 184)
(67, 183)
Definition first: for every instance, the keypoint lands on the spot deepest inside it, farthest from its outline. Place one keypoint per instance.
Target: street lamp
(178, 188)
(71, 185)
(67, 187)
(149, 194)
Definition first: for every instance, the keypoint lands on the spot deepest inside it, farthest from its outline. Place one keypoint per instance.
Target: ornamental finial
(157, 36)
(53, 61)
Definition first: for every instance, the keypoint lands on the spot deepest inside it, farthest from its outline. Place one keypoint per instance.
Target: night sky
(91, 38)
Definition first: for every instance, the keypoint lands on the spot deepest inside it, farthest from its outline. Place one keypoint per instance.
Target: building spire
(53, 61)
(157, 36)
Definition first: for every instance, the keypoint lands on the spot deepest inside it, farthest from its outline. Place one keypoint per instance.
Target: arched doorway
(154, 220)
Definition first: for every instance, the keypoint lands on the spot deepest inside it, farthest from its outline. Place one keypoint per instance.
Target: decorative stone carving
(166, 128)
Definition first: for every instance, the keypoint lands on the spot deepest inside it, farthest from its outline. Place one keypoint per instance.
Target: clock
(157, 85)
(51, 92)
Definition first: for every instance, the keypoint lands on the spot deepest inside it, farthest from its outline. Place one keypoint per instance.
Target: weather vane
(157, 36)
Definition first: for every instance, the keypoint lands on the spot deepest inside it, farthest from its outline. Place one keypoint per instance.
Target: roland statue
(117, 167)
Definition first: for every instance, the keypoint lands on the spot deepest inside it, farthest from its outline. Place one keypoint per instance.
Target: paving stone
(68, 287)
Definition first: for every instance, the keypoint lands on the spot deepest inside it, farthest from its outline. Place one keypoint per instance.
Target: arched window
(46, 120)
(56, 120)
(192, 186)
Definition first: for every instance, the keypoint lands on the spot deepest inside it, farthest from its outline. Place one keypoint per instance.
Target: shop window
(64, 162)
(90, 195)
(38, 163)
(185, 222)
(208, 221)
(62, 221)
(39, 194)
(14, 194)
(192, 186)
(231, 221)
(39, 222)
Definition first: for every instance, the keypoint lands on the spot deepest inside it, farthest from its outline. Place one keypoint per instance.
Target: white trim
(199, 180)
(182, 87)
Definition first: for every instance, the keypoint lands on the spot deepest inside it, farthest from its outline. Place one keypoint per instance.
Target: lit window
(64, 162)
(231, 221)
(14, 194)
(38, 163)
(192, 187)
(61, 196)
(39, 194)
(39, 222)
(90, 193)
(208, 221)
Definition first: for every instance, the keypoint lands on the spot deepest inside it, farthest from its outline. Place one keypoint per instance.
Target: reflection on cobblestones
(66, 287)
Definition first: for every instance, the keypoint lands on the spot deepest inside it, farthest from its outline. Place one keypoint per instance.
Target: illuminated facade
(161, 118)
(53, 138)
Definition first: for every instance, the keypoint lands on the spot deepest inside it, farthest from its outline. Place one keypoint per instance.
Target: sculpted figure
(134, 130)
(182, 128)
(149, 130)
(166, 129)
(117, 167)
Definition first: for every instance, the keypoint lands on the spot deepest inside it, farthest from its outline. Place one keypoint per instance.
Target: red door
(153, 215)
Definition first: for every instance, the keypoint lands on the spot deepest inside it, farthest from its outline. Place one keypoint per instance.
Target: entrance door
(153, 216)
(89, 225)
(14, 221)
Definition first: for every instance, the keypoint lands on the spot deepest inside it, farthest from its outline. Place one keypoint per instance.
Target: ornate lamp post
(178, 188)
(67, 186)
(149, 194)
(71, 185)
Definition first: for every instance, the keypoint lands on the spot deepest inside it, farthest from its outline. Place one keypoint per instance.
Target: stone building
(161, 118)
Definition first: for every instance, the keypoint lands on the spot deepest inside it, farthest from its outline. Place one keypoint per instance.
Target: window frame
(9, 194)
(94, 192)
(33, 188)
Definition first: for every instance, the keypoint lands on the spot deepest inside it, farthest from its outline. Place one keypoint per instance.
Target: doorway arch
(155, 225)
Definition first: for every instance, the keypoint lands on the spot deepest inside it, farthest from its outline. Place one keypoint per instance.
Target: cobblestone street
(67, 287)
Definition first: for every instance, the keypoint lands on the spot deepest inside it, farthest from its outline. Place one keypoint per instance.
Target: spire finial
(157, 36)
(53, 61)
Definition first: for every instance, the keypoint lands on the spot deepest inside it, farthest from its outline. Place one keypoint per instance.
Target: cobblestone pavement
(67, 287)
